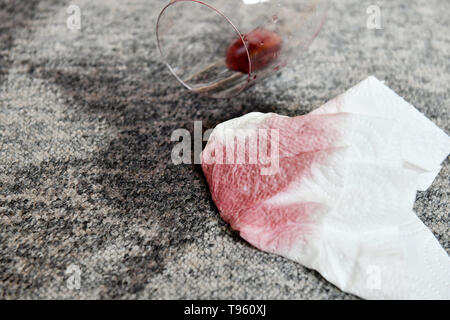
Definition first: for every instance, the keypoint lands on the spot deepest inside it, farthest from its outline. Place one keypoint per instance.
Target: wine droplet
(263, 47)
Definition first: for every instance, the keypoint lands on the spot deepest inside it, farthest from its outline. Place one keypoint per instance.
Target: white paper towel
(342, 200)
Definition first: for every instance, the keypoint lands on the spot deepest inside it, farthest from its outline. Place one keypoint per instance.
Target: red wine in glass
(263, 47)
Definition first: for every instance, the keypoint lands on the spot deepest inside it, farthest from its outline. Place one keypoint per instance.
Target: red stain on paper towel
(240, 191)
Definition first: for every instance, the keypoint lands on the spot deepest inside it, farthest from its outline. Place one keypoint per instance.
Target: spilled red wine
(263, 46)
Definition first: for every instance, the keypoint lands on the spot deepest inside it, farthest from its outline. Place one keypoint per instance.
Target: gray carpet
(86, 183)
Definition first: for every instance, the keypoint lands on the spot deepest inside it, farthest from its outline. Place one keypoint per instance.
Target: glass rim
(241, 36)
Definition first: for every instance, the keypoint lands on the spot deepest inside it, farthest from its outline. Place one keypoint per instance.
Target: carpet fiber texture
(88, 191)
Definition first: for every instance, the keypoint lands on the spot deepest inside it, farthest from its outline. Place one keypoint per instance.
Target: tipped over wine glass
(220, 47)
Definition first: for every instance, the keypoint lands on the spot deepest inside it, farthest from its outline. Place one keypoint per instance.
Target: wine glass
(220, 47)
